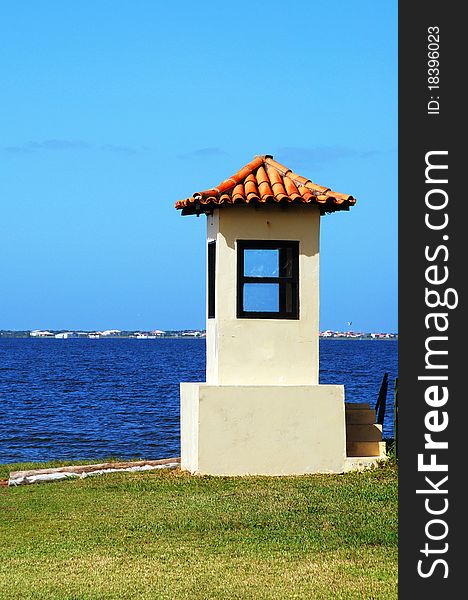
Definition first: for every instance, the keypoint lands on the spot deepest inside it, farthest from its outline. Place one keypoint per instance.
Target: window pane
(285, 262)
(261, 263)
(211, 278)
(261, 297)
(287, 297)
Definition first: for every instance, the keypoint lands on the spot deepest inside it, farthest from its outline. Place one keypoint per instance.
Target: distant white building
(40, 333)
(144, 336)
(110, 332)
(66, 334)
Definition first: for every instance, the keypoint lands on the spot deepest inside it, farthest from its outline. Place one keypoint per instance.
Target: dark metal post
(381, 403)
(395, 417)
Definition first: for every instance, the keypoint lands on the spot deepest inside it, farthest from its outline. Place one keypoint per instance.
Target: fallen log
(81, 471)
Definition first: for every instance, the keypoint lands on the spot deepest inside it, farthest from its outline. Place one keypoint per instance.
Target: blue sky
(112, 111)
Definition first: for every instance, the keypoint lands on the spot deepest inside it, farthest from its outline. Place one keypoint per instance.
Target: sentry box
(262, 409)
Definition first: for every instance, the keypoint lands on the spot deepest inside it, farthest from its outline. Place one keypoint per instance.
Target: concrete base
(262, 430)
(362, 463)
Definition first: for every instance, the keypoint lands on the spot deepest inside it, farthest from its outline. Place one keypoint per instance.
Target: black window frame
(211, 260)
(292, 280)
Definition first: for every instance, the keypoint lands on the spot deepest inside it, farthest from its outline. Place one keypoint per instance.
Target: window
(211, 278)
(267, 279)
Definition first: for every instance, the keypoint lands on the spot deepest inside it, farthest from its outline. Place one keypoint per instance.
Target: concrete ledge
(361, 463)
(369, 449)
(262, 430)
(370, 432)
(360, 417)
(81, 471)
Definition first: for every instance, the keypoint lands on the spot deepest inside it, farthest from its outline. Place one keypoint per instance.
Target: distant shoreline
(360, 339)
(10, 336)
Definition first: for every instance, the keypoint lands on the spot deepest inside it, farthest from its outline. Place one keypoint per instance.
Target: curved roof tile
(264, 180)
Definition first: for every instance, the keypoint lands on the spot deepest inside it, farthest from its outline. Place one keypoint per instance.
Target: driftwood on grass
(81, 471)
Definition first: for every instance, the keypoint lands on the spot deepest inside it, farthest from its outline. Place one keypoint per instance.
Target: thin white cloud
(202, 153)
(320, 154)
(58, 145)
(122, 149)
(52, 144)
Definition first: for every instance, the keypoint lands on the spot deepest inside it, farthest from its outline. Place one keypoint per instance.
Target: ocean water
(81, 398)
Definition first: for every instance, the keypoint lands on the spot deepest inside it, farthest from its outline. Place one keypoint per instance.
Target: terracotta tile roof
(261, 181)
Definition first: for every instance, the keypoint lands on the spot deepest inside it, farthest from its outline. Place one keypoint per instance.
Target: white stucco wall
(189, 425)
(263, 430)
(264, 351)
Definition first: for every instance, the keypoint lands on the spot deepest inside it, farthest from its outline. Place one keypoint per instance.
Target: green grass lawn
(165, 534)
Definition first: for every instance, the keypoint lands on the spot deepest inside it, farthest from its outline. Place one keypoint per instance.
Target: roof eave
(196, 208)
